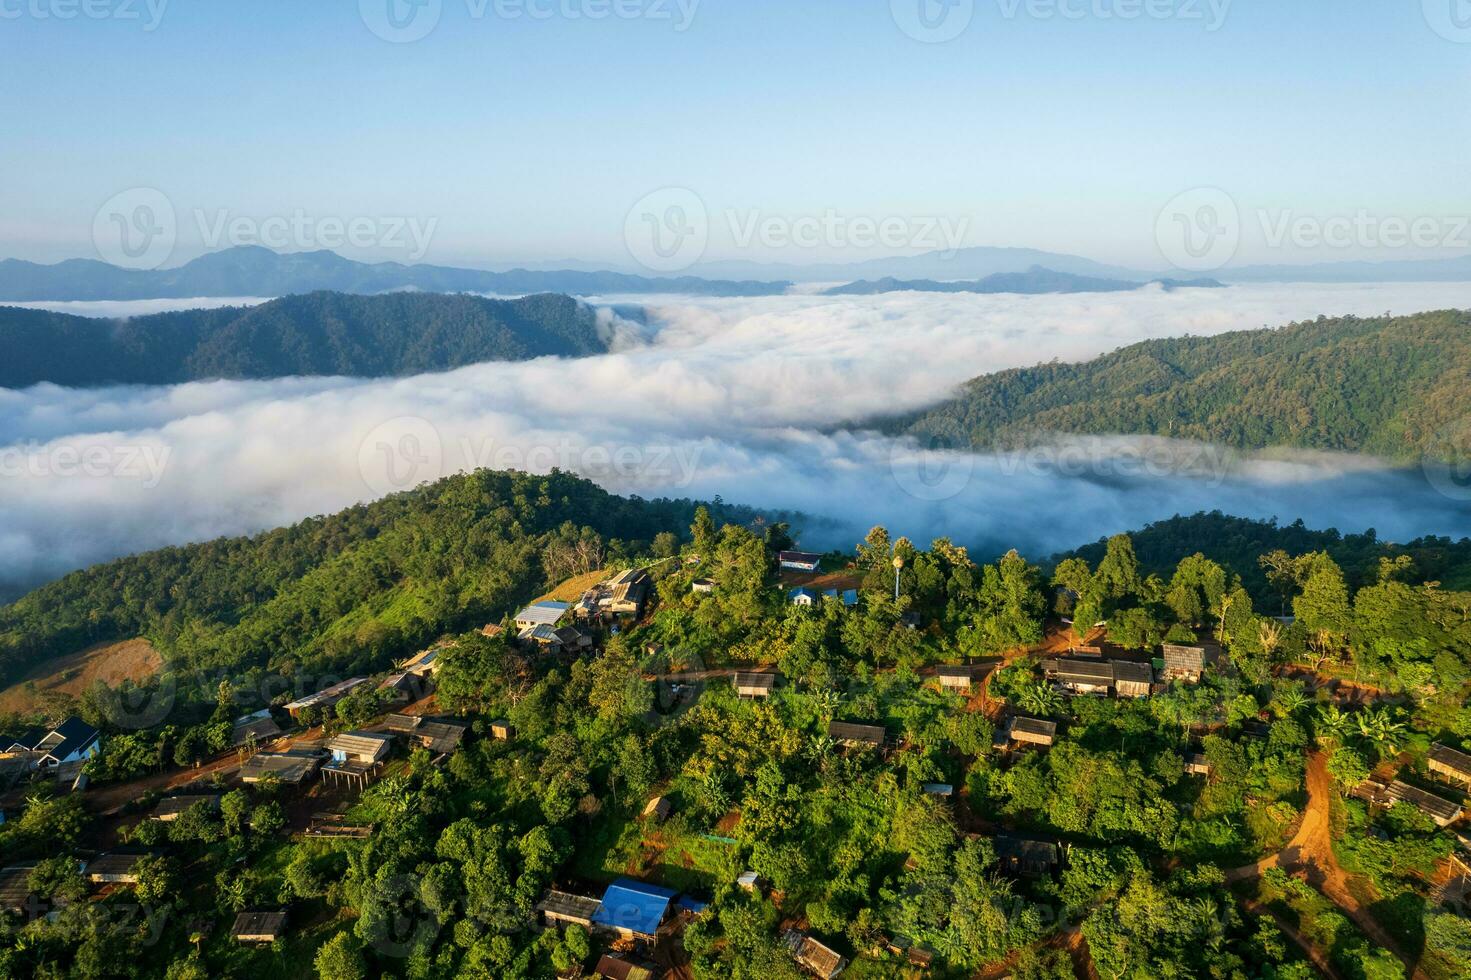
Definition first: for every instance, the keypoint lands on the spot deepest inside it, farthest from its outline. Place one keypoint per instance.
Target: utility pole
(898, 564)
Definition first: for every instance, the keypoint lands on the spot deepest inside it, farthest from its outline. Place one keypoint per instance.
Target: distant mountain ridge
(251, 270)
(321, 333)
(1035, 281)
(1394, 387)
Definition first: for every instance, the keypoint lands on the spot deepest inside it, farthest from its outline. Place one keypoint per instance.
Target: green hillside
(313, 334)
(1392, 387)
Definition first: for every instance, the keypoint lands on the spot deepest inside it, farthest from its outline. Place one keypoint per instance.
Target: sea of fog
(745, 398)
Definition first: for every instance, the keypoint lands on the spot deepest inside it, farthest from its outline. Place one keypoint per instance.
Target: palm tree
(1379, 727)
(1289, 701)
(1039, 699)
(1332, 724)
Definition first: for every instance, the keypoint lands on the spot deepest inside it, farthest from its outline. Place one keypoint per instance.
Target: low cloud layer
(738, 397)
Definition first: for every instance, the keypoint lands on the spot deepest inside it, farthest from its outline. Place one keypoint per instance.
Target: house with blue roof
(633, 909)
(803, 597)
(848, 597)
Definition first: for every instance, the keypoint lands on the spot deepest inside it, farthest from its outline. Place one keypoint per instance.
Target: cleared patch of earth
(110, 663)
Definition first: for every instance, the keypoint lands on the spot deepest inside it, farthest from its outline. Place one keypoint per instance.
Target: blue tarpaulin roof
(633, 906)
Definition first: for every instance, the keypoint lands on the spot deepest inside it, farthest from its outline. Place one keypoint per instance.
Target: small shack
(170, 809)
(258, 927)
(564, 908)
(502, 730)
(441, 735)
(659, 809)
(326, 697)
(290, 768)
(1031, 731)
(754, 685)
(113, 869)
(1196, 764)
(1450, 763)
(1026, 857)
(1077, 675)
(255, 728)
(955, 678)
(862, 736)
(803, 598)
(1185, 663)
(613, 967)
(15, 888)
(815, 957)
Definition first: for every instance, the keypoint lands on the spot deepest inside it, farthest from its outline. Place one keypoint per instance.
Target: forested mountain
(1393, 387)
(250, 270)
(1036, 280)
(314, 334)
(333, 592)
(1238, 543)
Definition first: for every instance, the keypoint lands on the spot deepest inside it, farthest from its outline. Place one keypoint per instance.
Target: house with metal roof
(46, 748)
(113, 869)
(564, 908)
(872, 736)
(1080, 675)
(360, 748)
(258, 927)
(804, 597)
(660, 807)
(625, 593)
(1025, 857)
(15, 888)
(1032, 731)
(441, 735)
(1451, 763)
(425, 663)
(292, 767)
(1196, 764)
(1444, 812)
(799, 561)
(326, 697)
(544, 613)
(1187, 663)
(848, 597)
(257, 727)
(1132, 680)
(613, 967)
(172, 808)
(633, 909)
(955, 677)
(752, 684)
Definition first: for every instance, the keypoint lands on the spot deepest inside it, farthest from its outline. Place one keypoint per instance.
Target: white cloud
(740, 397)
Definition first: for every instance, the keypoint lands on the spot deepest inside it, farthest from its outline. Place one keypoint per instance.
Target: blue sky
(522, 138)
